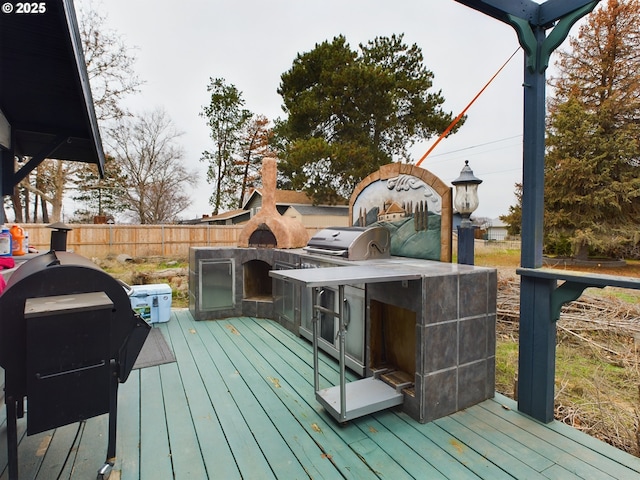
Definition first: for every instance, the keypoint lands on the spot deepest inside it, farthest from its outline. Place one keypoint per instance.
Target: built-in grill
(351, 243)
(68, 336)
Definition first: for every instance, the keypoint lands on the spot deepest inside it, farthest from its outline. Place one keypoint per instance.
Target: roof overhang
(45, 98)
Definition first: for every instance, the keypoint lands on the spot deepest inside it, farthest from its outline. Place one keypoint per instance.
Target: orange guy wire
(457, 119)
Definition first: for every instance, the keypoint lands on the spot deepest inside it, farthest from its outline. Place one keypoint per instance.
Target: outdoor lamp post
(466, 202)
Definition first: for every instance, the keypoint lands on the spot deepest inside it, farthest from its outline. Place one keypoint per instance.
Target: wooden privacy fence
(138, 240)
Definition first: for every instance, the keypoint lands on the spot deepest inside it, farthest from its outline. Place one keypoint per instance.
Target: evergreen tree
(98, 196)
(226, 119)
(513, 219)
(592, 179)
(349, 112)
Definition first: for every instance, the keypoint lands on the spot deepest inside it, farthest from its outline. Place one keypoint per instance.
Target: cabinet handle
(346, 310)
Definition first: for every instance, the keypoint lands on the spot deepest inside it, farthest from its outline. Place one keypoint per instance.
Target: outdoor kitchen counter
(350, 400)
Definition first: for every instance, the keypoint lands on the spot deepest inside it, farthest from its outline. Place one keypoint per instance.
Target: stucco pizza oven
(268, 228)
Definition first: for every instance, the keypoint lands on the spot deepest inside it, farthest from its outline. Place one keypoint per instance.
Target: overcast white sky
(250, 43)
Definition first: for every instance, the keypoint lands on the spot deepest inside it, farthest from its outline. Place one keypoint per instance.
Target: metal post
(105, 471)
(12, 436)
(315, 300)
(341, 333)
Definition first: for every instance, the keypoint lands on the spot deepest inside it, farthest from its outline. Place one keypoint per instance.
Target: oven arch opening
(263, 237)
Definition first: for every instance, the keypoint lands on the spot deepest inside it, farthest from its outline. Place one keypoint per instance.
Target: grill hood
(352, 243)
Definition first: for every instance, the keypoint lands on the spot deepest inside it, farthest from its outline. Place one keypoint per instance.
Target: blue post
(533, 165)
(537, 349)
(536, 361)
(465, 245)
(536, 369)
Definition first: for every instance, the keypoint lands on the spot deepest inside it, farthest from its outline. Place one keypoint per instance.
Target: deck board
(571, 454)
(210, 358)
(88, 452)
(211, 437)
(332, 438)
(508, 461)
(248, 390)
(239, 403)
(492, 433)
(260, 387)
(129, 428)
(524, 439)
(186, 455)
(62, 443)
(295, 392)
(155, 449)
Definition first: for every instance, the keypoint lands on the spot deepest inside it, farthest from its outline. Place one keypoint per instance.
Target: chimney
(288, 232)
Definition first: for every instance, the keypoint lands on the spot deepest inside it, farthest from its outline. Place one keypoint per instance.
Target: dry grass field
(597, 356)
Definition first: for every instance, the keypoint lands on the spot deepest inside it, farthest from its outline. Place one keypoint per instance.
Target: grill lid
(352, 243)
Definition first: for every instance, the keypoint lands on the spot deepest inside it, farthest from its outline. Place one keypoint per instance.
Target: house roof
(337, 210)
(497, 223)
(225, 215)
(44, 88)
(394, 208)
(284, 197)
(289, 197)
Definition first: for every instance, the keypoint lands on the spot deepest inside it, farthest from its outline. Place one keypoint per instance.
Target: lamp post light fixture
(466, 202)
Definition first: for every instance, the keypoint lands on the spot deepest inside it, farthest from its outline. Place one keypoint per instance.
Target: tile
(441, 298)
(440, 346)
(472, 384)
(411, 406)
(264, 309)
(491, 378)
(472, 340)
(491, 334)
(439, 394)
(492, 295)
(420, 349)
(473, 294)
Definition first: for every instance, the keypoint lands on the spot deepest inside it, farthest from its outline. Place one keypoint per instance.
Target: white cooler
(151, 302)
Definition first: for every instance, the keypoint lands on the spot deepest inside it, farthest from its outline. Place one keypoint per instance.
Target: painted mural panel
(409, 208)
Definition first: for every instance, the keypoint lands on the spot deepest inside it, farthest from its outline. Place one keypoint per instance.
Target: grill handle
(322, 251)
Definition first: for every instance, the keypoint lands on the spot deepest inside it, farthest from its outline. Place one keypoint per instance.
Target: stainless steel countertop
(332, 276)
(373, 271)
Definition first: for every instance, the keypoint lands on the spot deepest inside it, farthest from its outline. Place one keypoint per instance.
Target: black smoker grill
(351, 243)
(68, 335)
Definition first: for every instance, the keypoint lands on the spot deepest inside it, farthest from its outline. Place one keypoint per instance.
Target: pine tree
(226, 117)
(513, 219)
(351, 111)
(592, 175)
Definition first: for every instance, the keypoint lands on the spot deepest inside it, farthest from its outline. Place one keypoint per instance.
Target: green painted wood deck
(239, 403)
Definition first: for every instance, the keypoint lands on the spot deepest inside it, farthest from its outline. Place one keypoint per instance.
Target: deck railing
(537, 349)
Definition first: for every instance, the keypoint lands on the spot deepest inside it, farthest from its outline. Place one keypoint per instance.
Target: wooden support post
(537, 349)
